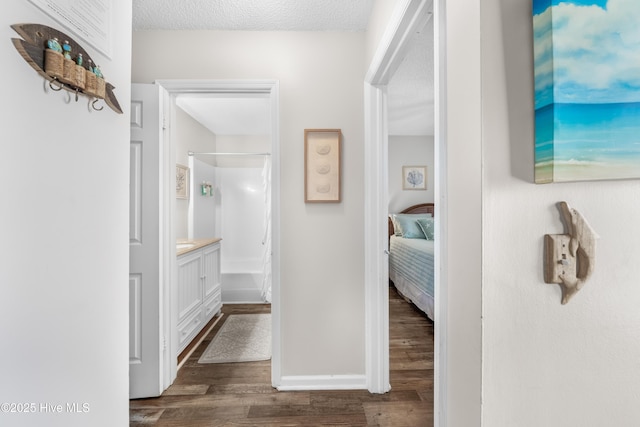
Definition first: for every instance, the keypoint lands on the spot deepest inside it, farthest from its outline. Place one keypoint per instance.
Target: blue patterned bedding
(411, 270)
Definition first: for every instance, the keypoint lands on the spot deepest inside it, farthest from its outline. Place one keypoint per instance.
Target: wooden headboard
(415, 209)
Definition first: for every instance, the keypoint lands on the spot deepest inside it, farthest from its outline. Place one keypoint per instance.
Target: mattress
(412, 271)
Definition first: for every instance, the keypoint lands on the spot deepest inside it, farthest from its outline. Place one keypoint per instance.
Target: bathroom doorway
(215, 175)
(226, 141)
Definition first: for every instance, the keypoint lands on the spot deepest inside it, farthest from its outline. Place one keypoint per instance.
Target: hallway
(240, 394)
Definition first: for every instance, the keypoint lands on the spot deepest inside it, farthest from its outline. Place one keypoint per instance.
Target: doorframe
(409, 16)
(271, 88)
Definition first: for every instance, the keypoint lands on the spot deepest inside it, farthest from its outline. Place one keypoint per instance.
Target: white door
(146, 342)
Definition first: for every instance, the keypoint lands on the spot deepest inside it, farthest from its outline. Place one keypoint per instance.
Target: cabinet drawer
(212, 305)
(189, 328)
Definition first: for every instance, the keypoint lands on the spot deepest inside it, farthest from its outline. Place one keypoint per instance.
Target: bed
(411, 247)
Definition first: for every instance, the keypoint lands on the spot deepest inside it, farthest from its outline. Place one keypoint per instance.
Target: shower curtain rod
(191, 153)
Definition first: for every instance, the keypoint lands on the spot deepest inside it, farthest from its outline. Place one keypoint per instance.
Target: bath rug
(242, 338)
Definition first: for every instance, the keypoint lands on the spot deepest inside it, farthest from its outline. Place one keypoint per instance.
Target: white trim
(322, 382)
(276, 359)
(441, 212)
(180, 86)
(408, 17)
(270, 88)
(376, 273)
(242, 296)
(167, 251)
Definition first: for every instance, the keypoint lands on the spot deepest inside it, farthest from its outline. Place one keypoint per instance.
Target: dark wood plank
(144, 416)
(186, 390)
(240, 394)
(399, 414)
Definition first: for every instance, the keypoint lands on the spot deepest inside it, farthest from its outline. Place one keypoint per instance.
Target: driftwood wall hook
(63, 62)
(569, 258)
(93, 105)
(57, 87)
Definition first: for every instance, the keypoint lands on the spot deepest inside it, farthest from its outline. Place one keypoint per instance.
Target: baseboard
(241, 296)
(322, 382)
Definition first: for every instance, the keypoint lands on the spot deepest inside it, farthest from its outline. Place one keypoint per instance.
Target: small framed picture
(414, 177)
(182, 182)
(322, 165)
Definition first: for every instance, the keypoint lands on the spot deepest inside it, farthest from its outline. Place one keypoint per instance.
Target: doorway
(402, 26)
(265, 90)
(458, 205)
(226, 141)
(385, 63)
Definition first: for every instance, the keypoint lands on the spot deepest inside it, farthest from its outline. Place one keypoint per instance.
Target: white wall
(64, 228)
(204, 206)
(320, 75)
(189, 135)
(546, 364)
(409, 151)
(459, 148)
(381, 11)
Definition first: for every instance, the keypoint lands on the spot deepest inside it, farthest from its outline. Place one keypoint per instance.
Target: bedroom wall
(546, 364)
(321, 86)
(65, 238)
(409, 151)
(189, 135)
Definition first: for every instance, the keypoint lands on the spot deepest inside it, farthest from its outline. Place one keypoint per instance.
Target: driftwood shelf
(32, 48)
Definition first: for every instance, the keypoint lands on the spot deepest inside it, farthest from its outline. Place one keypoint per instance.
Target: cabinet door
(189, 284)
(211, 270)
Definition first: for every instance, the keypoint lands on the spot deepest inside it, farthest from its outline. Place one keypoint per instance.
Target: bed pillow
(397, 228)
(426, 225)
(406, 225)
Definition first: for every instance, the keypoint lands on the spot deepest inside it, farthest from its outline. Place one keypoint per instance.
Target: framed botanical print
(182, 182)
(414, 177)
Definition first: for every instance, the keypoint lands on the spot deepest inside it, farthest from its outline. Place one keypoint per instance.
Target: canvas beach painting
(587, 89)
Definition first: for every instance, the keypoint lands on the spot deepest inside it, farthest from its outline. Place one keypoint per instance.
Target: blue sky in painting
(594, 57)
(541, 5)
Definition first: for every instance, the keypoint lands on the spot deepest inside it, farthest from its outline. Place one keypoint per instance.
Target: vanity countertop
(184, 246)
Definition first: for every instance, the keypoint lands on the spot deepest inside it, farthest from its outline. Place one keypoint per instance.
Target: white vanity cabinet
(199, 291)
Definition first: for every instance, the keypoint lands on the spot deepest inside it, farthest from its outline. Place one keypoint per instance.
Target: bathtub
(241, 287)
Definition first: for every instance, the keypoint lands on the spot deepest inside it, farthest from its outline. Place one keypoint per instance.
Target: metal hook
(54, 88)
(77, 91)
(93, 104)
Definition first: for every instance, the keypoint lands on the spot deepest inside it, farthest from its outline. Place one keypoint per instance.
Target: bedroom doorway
(411, 165)
(265, 93)
(400, 30)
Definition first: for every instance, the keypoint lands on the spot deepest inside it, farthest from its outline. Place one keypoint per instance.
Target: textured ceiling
(302, 15)
(410, 90)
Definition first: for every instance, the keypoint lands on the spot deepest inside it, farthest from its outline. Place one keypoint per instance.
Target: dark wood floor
(240, 394)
